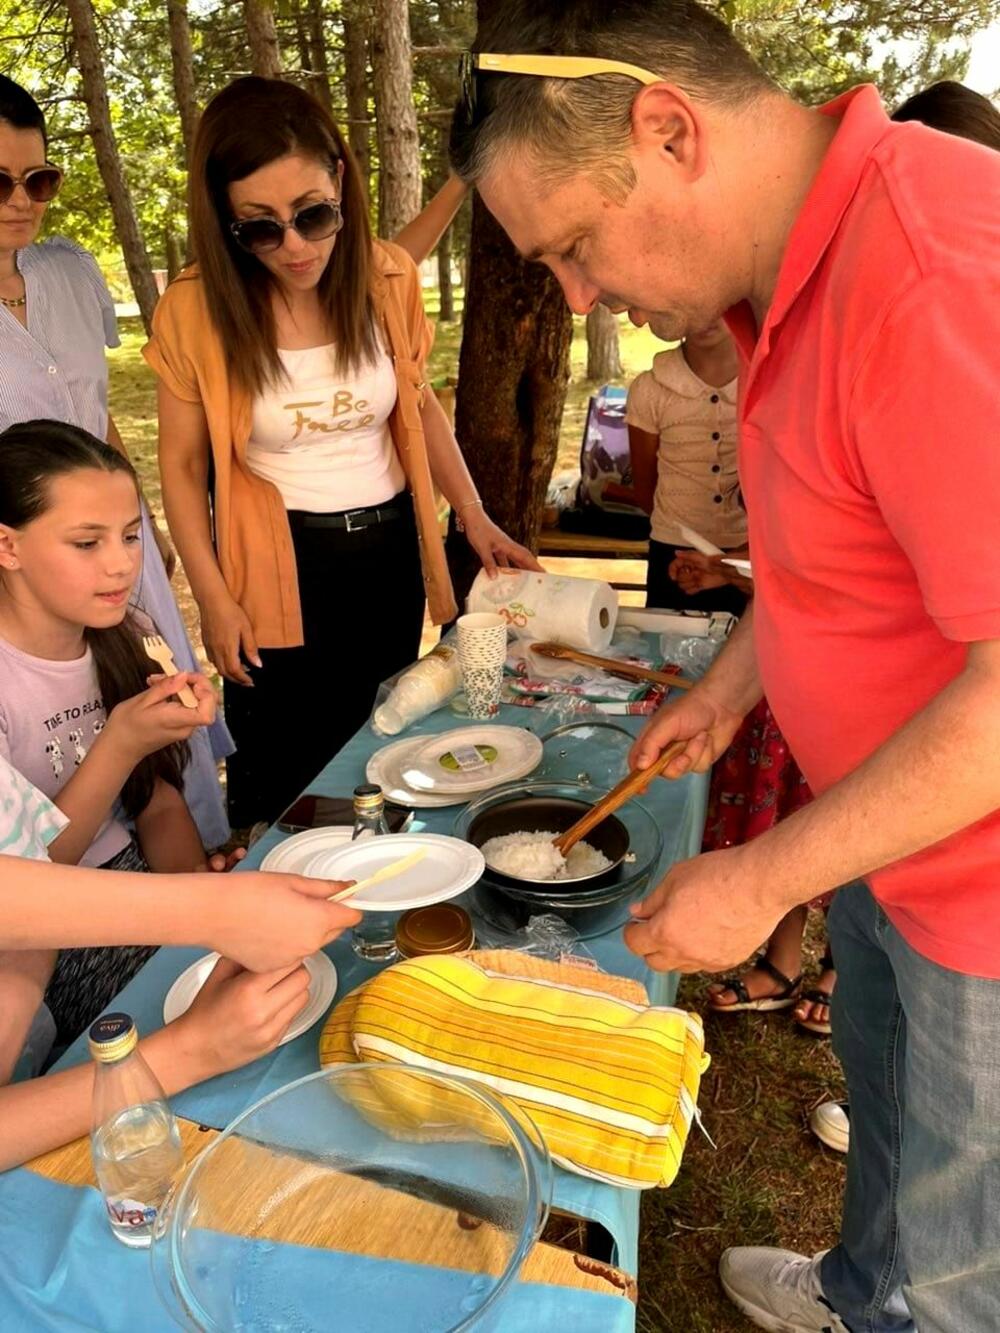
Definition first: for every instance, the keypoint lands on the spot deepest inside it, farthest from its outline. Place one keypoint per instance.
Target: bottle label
(130, 1213)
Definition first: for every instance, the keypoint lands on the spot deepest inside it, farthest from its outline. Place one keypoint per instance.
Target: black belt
(353, 520)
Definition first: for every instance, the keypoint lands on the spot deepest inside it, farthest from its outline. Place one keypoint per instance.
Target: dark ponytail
(32, 454)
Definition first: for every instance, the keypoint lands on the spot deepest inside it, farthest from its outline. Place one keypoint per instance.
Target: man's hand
(706, 915)
(699, 718)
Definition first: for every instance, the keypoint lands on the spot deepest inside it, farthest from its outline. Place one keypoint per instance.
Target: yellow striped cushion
(612, 1084)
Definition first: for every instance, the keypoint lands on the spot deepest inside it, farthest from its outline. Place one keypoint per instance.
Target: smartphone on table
(312, 811)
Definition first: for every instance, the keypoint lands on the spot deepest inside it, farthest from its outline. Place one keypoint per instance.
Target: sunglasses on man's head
(315, 222)
(40, 184)
(473, 64)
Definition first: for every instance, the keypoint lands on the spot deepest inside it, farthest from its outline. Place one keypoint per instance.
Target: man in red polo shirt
(858, 264)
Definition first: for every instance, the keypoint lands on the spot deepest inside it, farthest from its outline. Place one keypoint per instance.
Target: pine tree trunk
(512, 377)
(95, 94)
(182, 66)
(317, 53)
(447, 311)
(603, 359)
(265, 58)
(399, 193)
(355, 28)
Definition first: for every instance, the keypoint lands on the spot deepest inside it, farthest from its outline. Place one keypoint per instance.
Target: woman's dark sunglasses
(315, 222)
(41, 184)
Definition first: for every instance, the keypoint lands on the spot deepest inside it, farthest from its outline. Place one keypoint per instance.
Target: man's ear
(666, 122)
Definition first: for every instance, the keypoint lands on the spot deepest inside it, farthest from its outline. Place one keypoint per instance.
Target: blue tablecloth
(62, 1269)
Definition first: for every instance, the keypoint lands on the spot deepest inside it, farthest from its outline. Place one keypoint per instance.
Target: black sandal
(817, 995)
(766, 1004)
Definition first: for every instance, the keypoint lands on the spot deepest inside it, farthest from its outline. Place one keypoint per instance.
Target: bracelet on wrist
(469, 504)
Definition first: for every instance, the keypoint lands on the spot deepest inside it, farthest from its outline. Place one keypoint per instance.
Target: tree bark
(399, 193)
(95, 95)
(182, 66)
(512, 377)
(265, 57)
(603, 359)
(355, 29)
(447, 311)
(318, 62)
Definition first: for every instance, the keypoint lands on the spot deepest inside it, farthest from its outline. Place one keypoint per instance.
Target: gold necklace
(14, 302)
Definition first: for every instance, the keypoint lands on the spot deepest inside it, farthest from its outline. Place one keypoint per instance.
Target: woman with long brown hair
(291, 365)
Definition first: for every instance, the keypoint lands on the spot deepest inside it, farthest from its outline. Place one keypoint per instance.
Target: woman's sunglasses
(41, 184)
(315, 222)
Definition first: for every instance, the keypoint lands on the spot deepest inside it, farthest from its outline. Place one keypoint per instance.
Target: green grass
(767, 1181)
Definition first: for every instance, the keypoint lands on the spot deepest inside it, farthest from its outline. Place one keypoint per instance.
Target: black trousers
(662, 591)
(362, 597)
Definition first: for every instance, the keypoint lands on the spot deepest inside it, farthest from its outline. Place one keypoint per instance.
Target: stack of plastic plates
(454, 766)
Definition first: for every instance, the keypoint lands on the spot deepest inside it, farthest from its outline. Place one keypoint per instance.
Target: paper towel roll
(578, 612)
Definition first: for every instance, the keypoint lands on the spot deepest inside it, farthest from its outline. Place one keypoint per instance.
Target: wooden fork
(158, 650)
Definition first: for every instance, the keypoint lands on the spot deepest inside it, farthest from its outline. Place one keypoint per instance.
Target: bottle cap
(112, 1037)
(368, 797)
(442, 928)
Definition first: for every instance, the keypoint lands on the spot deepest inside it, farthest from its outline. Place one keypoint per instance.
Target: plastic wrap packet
(693, 655)
(545, 936)
(418, 689)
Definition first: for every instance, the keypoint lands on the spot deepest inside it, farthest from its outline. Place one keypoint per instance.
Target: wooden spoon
(631, 785)
(630, 670)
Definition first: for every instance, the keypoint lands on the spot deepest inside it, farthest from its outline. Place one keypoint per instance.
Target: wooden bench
(556, 543)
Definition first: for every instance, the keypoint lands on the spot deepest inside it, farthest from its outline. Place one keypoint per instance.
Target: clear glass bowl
(361, 1198)
(592, 908)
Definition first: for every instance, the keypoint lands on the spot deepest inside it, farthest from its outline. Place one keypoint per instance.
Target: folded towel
(610, 1081)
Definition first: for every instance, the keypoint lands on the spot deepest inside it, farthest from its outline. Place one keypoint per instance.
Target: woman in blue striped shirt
(56, 318)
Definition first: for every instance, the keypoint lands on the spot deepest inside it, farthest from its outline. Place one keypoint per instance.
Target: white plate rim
(322, 970)
(521, 769)
(294, 841)
(476, 868)
(393, 786)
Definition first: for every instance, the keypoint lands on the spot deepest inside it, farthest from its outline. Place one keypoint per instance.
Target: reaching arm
(235, 1018)
(419, 238)
(24, 974)
(449, 470)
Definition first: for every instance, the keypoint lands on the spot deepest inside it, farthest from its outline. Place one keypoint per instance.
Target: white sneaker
(831, 1123)
(778, 1290)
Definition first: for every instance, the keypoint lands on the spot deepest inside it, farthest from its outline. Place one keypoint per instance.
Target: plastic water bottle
(135, 1143)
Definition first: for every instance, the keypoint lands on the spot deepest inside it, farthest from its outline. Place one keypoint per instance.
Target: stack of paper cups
(482, 651)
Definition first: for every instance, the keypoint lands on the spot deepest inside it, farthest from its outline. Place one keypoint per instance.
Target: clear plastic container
(360, 1199)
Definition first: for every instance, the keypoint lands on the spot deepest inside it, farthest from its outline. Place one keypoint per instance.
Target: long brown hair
(32, 455)
(250, 123)
(954, 109)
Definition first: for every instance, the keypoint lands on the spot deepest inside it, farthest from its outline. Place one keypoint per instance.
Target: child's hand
(273, 920)
(220, 863)
(238, 1016)
(156, 718)
(695, 572)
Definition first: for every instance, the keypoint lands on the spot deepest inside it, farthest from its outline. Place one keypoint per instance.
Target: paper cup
(483, 686)
(482, 641)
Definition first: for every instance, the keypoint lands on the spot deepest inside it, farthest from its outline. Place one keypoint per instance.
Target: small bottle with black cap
(374, 937)
(135, 1143)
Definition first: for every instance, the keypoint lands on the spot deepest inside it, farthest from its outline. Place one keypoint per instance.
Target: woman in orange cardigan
(291, 367)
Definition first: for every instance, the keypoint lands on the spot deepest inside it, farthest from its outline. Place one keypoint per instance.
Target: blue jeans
(920, 1046)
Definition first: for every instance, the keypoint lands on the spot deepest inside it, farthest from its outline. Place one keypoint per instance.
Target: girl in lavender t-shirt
(76, 717)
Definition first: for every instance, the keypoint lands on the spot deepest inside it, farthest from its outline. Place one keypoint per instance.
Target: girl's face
(20, 217)
(278, 191)
(78, 561)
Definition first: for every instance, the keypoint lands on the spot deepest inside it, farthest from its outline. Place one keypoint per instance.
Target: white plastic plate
(322, 989)
(448, 867)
